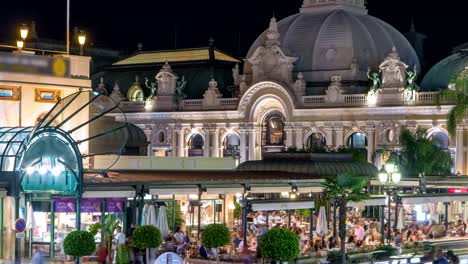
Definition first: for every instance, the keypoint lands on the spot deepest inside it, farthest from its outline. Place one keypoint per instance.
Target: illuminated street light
(389, 177)
(81, 41)
(20, 44)
(24, 31)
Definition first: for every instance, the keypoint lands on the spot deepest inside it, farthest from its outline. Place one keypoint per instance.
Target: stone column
(339, 136)
(148, 132)
(243, 144)
(252, 143)
(328, 135)
(180, 144)
(206, 151)
(459, 149)
(370, 143)
(289, 136)
(299, 135)
(215, 151)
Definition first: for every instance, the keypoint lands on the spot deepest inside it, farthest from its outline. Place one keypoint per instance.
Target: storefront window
(273, 129)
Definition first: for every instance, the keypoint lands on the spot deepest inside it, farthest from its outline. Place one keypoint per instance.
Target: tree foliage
(179, 220)
(79, 243)
(344, 188)
(419, 154)
(279, 244)
(146, 236)
(456, 93)
(215, 236)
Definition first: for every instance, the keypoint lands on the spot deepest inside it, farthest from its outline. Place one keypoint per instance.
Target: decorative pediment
(393, 71)
(167, 81)
(212, 96)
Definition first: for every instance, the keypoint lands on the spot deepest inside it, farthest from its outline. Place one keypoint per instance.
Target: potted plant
(145, 237)
(279, 244)
(215, 236)
(78, 244)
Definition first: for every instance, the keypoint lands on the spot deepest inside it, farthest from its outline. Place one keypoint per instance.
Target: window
(231, 145)
(196, 142)
(440, 139)
(357, 141)
(161, 137)
(273, 129)
(316, 141)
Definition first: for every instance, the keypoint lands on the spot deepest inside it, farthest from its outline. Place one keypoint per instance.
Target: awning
(171, 191)
(282, 205)
(434, 198)
(271, 189)
(228, 190)
(109, 194)
(372, 201)
(314, 189)
(402, 183)
(3, 192)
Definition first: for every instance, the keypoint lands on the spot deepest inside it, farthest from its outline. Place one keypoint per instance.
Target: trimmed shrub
(146, 236)
(215, 236)
(79, 243)
(279, 244)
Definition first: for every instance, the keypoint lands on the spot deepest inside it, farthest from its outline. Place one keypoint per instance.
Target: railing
(196, 104)
(355, 99)
(314, 100)
(229, 103)
(132, 106)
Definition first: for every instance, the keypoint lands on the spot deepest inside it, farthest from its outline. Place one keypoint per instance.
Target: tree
(279, 244)
(146, 236)
(215, 236)
(79, 243)
(419, 154)
(344, 188)
(457, 91)
(179, 220)
(107, 229)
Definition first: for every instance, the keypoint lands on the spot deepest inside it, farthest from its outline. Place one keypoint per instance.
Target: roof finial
(140, 46)
(272, 35)
(211, 42)
(413, 28)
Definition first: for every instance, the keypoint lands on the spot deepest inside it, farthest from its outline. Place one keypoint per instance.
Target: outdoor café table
(408, 257)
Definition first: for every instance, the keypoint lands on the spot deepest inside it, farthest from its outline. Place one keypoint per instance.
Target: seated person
(185, 243)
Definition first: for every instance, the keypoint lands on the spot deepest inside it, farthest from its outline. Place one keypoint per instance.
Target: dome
(327, 37)
(445, 71)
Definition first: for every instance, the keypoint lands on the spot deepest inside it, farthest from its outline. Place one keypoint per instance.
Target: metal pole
(52, 229)
(334, 218)
(1, 225)
(17, 240)
(382, 224)
(103, 215)
(199, 215)
(446, 219)
(244, 220)
(68, 27)
(289, 218)
(214, 212)
(311, 223)
(389, 218)
(396, 214)
(267, 220)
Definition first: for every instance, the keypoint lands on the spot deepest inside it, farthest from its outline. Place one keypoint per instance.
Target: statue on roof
(153, 87)
(180, 90)
(410, 86)
(375, 77)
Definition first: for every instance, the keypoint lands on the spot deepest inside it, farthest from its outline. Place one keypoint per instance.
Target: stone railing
(313, 100)
(229, 103)
(132, 107)
(195, 104)
(359, 99)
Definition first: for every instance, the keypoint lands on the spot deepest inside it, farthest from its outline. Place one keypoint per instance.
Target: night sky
(122, 26)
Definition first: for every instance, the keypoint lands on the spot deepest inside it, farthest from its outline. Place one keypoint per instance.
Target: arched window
(357, 140)
(440, 139)
(273, 129)
(316, 141)
(231, 143)
(196, 146)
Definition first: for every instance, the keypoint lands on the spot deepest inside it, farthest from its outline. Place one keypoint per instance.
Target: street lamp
(81, 41)
(20, 44)
(389, 177)
(23, 34)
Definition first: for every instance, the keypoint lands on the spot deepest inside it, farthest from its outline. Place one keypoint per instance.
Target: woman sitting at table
(351, 245)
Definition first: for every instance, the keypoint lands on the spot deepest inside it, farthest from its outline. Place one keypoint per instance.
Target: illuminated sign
(453, 190)
(35, 64)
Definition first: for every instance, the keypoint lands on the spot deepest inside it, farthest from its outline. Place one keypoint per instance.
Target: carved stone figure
(235, 74)
(166, 81)
(410, 86)
(212, 96)
(393, 70)
(116, 94)
(300, 84)
(354, 68)
(334, 90)
(101, 87)
(375, 77)
(153, 87)
(243, 85)
(180, 90)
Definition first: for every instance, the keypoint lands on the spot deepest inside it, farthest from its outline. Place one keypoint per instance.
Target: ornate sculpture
(153, 87)
(372, 94)
(334, 90)
(180, 90)
(410, 85)
(235, 74)
(354, 67)
(393, 71)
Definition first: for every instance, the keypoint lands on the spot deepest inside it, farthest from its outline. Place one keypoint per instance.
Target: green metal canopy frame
(48, 158)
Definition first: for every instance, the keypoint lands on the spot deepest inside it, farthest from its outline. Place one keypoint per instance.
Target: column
(370, 143)
(299, 136)
(243, 144)
(328, 135)
(149, 150)
(339, 136)
(206, 151)
(180, 144)
(252, 143)
(289, 136)
(459, 149)
(215, 151)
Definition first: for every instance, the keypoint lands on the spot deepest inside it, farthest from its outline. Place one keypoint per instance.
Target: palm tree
(108, 228)
(344, 188)
(457, 91)
(419, 154)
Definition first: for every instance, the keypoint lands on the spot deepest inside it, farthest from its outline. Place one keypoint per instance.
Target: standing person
(38, 257)
(359, 234)
(119, 239)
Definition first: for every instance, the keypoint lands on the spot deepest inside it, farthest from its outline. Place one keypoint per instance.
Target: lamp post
(23, 34)
(81, 41)
(389, 177)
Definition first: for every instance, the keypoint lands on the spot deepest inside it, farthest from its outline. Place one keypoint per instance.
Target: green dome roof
(445, 71)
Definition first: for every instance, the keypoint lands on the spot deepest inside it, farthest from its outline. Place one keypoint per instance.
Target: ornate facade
(284, 100)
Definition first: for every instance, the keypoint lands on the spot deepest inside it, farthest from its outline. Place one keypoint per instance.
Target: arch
(273, 133)
(228, 132)
(357, 140)
(192, 132)
(439, 136)
(312, 131)
(256, 95)
(351, 132)
(316, 141)
(230, 143)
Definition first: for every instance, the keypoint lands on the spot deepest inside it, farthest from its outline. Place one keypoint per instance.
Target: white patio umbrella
(400, 223)
(161, 222)
(322, 225)
(149, 218)
(465, 212)
(30, 221)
